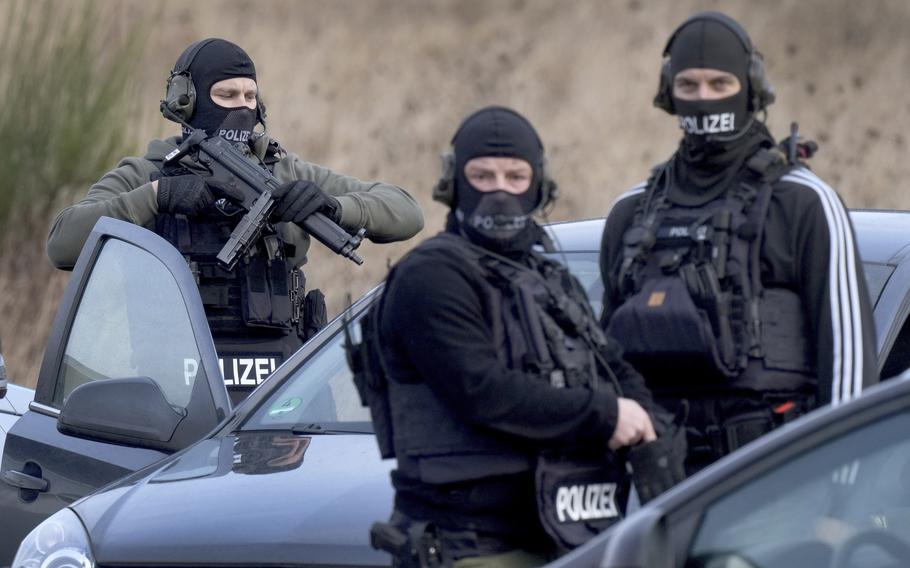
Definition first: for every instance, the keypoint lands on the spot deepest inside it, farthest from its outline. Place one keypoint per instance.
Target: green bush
(67, 90)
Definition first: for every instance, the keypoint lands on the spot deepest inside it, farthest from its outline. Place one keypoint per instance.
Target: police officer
(503, 397)
(258, 312)
(731, 276)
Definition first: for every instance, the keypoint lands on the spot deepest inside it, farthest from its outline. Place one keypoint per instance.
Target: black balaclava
(218, 60)
(497, 220)
(718, 135)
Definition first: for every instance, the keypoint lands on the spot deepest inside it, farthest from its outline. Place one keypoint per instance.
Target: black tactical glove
(299, 199)
(658, 465)
(186, 195)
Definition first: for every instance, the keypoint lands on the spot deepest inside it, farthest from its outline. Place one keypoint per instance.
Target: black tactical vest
(261, 296)
(258, 313)
(542, 325)
(695, 314)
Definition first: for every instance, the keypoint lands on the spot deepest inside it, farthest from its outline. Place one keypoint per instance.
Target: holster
(422, 544)
(313, 314)
(412, 546)
(659, 465)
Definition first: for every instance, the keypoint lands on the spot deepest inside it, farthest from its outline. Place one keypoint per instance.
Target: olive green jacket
(388, 213)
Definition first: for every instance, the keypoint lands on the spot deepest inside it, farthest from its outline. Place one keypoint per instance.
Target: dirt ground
(376, 88)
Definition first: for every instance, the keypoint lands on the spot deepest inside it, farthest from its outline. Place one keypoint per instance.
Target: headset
(180, 95)
(762, 94)
(444, 190)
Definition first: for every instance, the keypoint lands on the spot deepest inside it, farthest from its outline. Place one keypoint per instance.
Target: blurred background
(376, 88)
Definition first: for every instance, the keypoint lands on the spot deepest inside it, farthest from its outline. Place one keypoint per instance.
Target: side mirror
(130, 411)
(641, 541)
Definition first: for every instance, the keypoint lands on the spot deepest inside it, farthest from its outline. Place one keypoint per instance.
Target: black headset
(761, 92)
(180, 96)
(444, 190)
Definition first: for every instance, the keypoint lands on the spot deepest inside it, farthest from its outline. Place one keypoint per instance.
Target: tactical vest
(542, 325)
(261, 296)
(695, 313)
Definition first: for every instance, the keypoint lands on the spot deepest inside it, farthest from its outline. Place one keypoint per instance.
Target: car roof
(884, 236)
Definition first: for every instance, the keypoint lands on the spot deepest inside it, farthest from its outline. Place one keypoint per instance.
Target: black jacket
(434, 327)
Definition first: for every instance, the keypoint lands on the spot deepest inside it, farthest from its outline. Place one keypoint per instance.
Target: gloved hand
(186, 195)
(299, 199)
(658, 465)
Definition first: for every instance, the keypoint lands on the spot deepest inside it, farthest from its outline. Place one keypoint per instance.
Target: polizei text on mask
(708, 123)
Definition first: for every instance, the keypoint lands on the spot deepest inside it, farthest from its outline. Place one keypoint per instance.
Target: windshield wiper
(332, 428)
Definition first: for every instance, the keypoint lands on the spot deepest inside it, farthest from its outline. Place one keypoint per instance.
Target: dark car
(130, 398)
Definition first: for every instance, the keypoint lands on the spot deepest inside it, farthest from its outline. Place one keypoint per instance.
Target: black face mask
(499, 220)
(236, 124)
(216, 61)
(703, 121)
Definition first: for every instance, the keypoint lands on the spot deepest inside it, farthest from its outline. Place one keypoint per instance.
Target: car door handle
(24, 481)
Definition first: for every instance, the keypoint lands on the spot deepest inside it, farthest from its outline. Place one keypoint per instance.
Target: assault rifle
(228, 167)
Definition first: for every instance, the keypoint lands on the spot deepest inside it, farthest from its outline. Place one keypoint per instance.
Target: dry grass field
(376, 88)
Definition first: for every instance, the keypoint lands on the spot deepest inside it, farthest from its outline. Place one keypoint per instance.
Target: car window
(586, 267)
(877, 276)
(322, 391)
(849, 497)
(131, 321)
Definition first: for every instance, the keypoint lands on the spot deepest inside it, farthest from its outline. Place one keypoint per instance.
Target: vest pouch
(313, 314)
(265, 298)
(784, 333)
(364, 360)
(662, 320)
(580, 497)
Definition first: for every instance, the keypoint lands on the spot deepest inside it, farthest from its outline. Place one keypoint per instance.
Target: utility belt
(717, 426)
(422, 544)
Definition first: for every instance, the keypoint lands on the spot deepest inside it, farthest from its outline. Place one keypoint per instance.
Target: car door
(129, 376)
(833, 492)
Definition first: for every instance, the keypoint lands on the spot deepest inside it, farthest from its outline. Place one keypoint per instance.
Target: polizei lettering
(586, 502)
(499, 222)
(246, 371)
(234, 135)
(709, 123)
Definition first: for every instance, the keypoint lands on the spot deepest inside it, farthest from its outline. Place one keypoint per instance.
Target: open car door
(129, 376)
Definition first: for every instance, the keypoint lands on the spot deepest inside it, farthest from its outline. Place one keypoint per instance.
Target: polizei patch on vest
(586, 502)
(234, 135)
(241, 371)
(709, 123)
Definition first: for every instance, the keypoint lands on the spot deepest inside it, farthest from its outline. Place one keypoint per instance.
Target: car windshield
(320, 396)
(845, 503)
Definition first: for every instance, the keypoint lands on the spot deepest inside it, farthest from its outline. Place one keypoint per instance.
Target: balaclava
(718, 135)
(218, 60)
(497, 220)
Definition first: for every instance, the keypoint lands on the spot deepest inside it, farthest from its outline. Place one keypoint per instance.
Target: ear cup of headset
(664, 97)
(180, 96)
(444, 190)
(762, 91)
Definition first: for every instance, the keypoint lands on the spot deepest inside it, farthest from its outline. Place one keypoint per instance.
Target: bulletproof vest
(542, 325)
(694, 305)
(262, 295)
